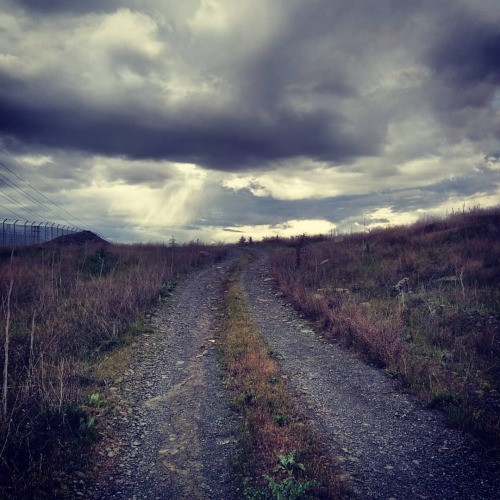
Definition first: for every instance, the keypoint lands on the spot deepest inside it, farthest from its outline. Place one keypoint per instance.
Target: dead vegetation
(280, 454)
(62, 309)
(422, 301)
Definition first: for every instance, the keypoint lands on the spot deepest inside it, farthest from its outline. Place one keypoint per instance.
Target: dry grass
(442, 337)
(69, 307)
(272, 423)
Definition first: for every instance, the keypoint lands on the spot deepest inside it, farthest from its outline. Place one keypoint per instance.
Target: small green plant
(87, 430)
(82, 425)
(249, 397)
(288, 488)
(139, 327)
(95, 399)
(281, 419)
(274, 355)
(252, 493)
(272, 379)
(288, 463)
(167, 289)
(442, 399)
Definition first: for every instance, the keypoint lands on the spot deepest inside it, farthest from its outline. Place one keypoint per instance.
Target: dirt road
(176, 432)
(390, 444)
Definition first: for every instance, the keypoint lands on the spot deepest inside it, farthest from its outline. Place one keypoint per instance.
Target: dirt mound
(81, 238)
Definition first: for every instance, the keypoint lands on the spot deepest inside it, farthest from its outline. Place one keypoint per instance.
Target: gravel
(175, 432)
(391, 445)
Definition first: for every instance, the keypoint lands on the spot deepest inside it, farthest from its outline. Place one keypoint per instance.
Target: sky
(216, 119)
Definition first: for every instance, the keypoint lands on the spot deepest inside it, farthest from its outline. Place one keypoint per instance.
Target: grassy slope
(439, 336)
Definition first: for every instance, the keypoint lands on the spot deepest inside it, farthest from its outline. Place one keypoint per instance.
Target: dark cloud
(371, 90)
(464, 59)
(220, 142)
(294, 97)
(319, 58)
(68, 6)
(466, 54)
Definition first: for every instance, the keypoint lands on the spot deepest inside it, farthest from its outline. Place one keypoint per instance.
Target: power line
(9, 210)
(17, 204)
(27, 195)
(32, 198)
(40, 193)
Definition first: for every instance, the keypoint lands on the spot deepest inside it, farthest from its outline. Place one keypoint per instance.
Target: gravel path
(175, 433)
(390, 445)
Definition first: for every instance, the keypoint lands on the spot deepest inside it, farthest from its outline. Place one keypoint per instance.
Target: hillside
(80, 238)
(422, 301)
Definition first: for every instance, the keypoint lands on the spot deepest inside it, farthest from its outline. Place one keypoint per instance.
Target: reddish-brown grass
(272, 424)
(442, 338)
(68, 306)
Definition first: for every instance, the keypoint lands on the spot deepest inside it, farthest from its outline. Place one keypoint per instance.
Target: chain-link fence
(30, 233)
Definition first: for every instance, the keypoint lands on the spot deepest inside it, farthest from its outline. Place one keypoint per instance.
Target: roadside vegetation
(64, 312)
(281, 457)
(421, 301)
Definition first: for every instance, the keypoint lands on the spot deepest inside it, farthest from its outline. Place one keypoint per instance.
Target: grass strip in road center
(280, 454)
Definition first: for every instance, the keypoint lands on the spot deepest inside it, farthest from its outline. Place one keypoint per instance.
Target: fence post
(15, 235)
(11, 237)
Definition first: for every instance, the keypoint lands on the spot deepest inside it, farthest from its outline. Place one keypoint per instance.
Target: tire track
(175, 431)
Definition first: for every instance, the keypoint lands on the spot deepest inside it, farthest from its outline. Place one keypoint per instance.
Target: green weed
(167, 289)
(288, 485)
(281, 419)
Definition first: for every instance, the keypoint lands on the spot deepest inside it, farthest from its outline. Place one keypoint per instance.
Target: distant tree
(250, 240)
(242, 241)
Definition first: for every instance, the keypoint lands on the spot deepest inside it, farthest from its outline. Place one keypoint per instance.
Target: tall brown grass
(62, 306)
(440, 337)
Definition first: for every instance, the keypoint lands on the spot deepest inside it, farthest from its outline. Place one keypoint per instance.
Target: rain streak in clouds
(213, 119)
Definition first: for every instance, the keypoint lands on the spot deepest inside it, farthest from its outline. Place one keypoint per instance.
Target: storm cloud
(280, 110)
